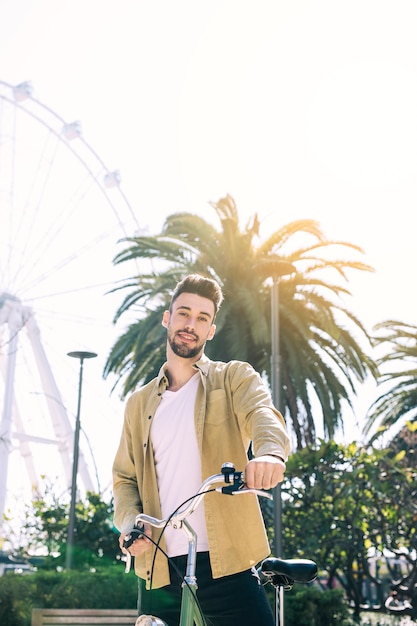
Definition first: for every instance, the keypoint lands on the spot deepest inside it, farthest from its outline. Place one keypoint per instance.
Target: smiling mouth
(183, 336)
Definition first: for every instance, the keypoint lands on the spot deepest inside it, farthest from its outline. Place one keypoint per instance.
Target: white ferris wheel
(62, 213)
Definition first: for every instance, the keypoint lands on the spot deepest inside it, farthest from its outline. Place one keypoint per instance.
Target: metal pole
(276, 393)
(71, 524)
(275, 381)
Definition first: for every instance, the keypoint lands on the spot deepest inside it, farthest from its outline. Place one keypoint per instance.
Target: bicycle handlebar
(235, 485)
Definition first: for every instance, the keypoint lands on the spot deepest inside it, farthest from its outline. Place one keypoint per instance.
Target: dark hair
(202, 286)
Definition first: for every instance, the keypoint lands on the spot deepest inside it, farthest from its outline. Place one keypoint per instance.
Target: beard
(184, 350)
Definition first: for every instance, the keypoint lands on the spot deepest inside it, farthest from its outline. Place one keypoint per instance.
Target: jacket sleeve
(259, 419)
(127, 502)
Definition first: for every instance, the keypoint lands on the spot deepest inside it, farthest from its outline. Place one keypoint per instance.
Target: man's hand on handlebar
(139, 545)
(264, 472)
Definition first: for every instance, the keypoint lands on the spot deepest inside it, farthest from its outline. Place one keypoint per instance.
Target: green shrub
(107, 589)
(311, 606)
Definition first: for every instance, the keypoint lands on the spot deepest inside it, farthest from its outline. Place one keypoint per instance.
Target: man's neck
(179, 370)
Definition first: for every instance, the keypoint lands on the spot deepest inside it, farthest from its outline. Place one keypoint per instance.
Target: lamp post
(276, 398)
(81, 355)
(280, 268)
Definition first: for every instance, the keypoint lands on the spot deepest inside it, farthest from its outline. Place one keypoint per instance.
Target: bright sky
(298, 109)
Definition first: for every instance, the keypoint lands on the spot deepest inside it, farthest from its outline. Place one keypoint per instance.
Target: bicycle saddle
(291, 570)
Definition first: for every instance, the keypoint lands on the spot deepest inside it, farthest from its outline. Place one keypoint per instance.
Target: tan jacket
(233, 407)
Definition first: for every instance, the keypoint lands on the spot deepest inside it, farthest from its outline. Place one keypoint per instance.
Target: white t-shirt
(178, 463)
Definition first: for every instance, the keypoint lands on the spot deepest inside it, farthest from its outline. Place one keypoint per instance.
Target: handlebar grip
(230, 490)
(134, 534)
(128, 562)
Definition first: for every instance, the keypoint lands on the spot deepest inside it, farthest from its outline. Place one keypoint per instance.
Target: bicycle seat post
(278, 605)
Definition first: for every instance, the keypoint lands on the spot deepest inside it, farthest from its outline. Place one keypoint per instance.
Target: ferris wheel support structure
(17, 316)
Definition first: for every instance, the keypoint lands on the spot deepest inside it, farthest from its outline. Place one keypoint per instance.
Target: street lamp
(81, 355)
(279, 269)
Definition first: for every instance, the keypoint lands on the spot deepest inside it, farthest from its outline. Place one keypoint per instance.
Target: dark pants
(237, 600)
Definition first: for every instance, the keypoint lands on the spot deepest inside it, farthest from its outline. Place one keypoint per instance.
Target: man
(178, 430)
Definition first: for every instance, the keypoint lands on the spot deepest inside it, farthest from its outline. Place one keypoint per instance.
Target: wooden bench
(78, 617)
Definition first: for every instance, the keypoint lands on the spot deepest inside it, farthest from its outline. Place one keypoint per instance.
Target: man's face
(189, 325)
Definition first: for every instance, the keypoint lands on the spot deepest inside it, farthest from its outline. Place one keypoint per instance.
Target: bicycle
(279, 572)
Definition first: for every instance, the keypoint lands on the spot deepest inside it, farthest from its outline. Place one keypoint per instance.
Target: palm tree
(398, 365)
(320, 357)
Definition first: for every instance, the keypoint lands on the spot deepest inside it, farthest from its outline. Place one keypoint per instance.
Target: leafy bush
(310, 606)
(107, 589)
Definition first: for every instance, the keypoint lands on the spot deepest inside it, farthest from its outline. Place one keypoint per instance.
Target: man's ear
(212, 332)
(165, 319)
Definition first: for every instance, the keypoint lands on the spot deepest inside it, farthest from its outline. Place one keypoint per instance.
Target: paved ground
(376, 619)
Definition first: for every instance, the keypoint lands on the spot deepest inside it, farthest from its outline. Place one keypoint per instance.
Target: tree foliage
(322, 359)
(345, 504)
(398, 379)
(42, 536)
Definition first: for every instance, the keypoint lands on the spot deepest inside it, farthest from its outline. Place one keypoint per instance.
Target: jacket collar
(202, 365)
